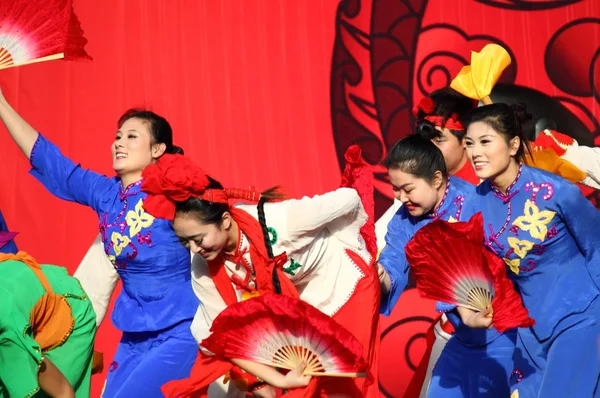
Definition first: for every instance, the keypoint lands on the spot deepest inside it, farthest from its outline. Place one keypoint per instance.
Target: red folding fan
(450, 264)
(39, 30)
(282, 332)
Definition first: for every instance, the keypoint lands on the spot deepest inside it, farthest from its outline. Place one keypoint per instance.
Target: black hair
(160, 129)
(212, 213)
(265, 230)
(506, 120)
(204, 211)
(447, 102)
(417, 156)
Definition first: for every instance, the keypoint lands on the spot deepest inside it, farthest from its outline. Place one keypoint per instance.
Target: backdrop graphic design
(265, 92)
(388, 54)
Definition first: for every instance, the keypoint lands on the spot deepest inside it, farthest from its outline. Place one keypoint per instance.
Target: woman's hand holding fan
(285, 333)
(296, 377)
(476, 319)
(450, 264)
(272, 377)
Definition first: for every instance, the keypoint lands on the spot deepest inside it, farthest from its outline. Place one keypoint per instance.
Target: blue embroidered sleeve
(393, 259)
(65, 179)
(9, 247)
(582, 220)
(444, 307)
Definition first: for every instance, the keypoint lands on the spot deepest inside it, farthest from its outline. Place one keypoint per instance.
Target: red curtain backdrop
(268, 92)
(245, 85)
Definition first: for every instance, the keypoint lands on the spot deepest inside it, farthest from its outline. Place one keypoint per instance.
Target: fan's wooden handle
(319, 374)
(491, 313)
(33, 61)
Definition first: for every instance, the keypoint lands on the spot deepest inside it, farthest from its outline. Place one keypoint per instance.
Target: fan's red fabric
(292, 315)
(358, 175)
(75, 43)
(48, 26)
(442, 253)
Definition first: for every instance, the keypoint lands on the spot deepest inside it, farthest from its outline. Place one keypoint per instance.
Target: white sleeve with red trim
(587, 159)
(441, 338)
(315, 233)
(211, 302)
(98, 278)
(381, 225)
(339, 211)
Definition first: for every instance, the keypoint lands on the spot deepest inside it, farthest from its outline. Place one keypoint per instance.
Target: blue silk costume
(11, 246)
(547, 233)
(157, 304)
(473, 362)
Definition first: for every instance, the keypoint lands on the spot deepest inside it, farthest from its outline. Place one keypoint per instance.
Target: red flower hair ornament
(176, 178)
(426, 105)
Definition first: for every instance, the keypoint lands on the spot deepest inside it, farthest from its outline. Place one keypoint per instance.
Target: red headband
(175, 178)
(451, 123)
(427, 106)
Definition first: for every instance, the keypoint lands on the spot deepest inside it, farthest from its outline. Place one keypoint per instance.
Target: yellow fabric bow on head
(477, 80)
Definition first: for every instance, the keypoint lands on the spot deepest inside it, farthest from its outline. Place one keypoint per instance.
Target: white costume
(314, 232)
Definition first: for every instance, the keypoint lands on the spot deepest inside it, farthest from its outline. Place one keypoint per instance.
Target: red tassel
(359, 176)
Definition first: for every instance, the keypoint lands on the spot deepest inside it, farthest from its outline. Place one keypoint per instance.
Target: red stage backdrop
(265, 92)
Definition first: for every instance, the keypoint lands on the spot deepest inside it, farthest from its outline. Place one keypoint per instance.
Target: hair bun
(426, 130)
(521, 114)
(175, 150)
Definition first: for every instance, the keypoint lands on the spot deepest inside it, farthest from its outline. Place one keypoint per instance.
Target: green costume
(20, 353)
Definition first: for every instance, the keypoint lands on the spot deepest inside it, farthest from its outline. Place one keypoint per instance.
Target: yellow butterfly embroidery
(138, 219)
(119, 241)
(534, 220)
(452, 219)
(515, 394)
(513, 264)
(521, 247)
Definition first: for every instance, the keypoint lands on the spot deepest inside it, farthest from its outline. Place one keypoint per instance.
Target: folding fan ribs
(283, 332)
(39, 30)
(450, 264)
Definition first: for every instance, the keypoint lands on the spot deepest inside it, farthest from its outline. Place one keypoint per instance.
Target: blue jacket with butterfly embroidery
(153, 266)
(546, 232)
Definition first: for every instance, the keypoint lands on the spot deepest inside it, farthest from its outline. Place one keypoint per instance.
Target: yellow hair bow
(478, 79)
